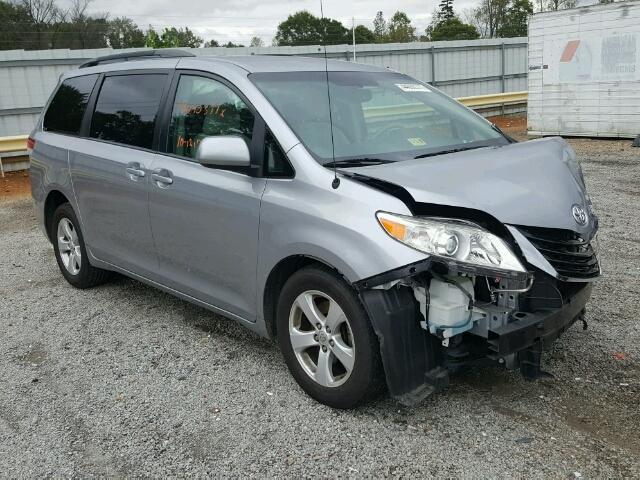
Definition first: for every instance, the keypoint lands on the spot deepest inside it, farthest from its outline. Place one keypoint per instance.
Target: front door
(205, 220)
(110, 171)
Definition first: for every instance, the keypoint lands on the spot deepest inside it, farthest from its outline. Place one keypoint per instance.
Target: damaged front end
(510, 239)
(438, 315)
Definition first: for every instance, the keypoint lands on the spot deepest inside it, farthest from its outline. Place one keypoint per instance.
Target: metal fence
(460, 68)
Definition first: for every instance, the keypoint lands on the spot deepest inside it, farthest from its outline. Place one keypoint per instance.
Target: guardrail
(18, 144)
(494, 100)
(12, 145)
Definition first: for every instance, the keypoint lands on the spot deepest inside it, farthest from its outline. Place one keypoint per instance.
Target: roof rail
(140, 55)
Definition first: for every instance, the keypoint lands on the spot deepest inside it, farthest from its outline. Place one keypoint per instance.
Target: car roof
(284, 63)
(247, 63)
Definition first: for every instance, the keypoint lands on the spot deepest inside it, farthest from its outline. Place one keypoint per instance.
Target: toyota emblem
(580, 215)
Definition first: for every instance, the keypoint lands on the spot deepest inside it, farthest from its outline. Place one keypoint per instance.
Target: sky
(239, 20)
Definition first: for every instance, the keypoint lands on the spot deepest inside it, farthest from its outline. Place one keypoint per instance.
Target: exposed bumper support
(537, 331)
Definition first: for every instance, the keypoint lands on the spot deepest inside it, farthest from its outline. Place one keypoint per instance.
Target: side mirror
(224, 151)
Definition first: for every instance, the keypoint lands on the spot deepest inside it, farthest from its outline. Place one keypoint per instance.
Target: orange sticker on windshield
(416, 141)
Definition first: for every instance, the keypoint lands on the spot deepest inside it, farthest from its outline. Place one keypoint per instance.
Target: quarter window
(67, 107)
(203, 108)
(275, 161)
(127, 109)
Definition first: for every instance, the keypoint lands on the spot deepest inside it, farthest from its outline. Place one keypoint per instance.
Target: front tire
(327, 340)
(71, 252)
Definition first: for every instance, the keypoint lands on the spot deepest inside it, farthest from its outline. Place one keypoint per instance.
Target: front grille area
(571, 255)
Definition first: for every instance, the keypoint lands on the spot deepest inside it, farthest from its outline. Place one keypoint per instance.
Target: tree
(211, 43)
(333, 32)
(560, 4)
(515, 20)
(152, 39)
(16, 27)
(490, 16)
(303, 28)
(380, 28)
(171, 38)
(80, 32)
(233, 45)
(123, 33)
(256, 42)
(400, 29)
(85, 31)
(364, 35)
(42, 16)
(445, 11)
(470, 16)
(452, 29)
(446, 25)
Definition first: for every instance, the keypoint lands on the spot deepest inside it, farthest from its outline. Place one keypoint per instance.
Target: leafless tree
(43, 14)
(560, 4)
(472, 17)
(487, 17)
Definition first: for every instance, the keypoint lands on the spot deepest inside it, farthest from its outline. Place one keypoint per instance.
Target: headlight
(452, 239)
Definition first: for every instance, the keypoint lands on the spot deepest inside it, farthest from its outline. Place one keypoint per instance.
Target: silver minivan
(383, 233)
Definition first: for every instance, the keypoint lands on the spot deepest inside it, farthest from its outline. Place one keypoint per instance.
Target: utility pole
(353, 32)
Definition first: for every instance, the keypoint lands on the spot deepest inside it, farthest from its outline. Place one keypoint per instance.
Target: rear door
(110, 169)
(205, 220)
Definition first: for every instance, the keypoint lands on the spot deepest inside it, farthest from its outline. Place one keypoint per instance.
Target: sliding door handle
(134, 171)
(162, 178)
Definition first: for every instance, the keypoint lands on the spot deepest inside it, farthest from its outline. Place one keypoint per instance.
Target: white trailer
(584, 71)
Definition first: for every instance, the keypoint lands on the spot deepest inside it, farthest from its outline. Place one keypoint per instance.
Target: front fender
(337, 227)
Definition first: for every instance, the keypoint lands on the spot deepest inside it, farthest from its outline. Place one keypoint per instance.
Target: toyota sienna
(383, 233)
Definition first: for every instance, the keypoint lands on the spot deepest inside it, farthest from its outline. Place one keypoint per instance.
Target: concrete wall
(460, 68)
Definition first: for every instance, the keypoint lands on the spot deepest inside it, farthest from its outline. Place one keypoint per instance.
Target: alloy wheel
(69, 246)
(321, 338)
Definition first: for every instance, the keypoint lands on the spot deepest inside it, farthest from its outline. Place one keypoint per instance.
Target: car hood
(534, 183)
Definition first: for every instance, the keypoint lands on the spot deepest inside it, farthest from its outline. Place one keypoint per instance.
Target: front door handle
(162, 177)
(135, 171)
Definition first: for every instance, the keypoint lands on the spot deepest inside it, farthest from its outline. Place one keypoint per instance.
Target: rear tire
(71, 252)
(327, 340)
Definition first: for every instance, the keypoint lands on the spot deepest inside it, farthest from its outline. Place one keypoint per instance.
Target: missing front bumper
(416, 365)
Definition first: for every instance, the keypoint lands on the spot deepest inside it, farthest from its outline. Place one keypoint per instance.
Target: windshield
(377, 116)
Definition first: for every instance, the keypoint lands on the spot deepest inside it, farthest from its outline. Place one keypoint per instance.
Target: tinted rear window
(68, 105)
(127, 109)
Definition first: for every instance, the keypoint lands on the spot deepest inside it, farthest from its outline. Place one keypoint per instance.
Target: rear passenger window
(203, 108)
(67, 108)
(127, 109)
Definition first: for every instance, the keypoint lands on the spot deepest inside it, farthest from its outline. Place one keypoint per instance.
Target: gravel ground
(124, 380)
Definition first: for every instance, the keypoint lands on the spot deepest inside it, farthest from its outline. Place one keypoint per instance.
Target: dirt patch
(616, 426)
(510, 123)
(15, 185)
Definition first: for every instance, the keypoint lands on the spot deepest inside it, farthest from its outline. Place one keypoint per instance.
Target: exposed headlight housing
(456, 240)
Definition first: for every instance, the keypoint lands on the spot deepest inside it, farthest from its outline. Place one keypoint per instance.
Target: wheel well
(276, 280)
(53, 201)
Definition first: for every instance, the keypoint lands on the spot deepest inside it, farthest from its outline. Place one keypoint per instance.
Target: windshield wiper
(445, 152)
(357, 162)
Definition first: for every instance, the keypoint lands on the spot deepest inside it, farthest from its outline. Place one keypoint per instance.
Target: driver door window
(204, 107)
